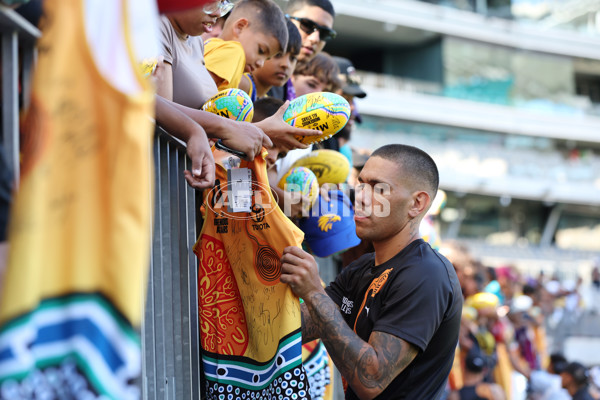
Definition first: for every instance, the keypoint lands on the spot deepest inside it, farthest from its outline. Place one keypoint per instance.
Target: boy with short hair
(320, 74)
(254, 32)
(277, 71)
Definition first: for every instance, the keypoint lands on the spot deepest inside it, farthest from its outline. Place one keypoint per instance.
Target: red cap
(165, 6)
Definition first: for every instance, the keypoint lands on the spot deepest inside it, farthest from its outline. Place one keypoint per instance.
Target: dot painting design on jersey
(267, 261)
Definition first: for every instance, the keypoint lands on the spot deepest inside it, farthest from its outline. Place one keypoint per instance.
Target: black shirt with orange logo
(415, 296)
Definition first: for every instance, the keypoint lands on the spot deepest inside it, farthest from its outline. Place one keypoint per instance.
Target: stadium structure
(506, 98)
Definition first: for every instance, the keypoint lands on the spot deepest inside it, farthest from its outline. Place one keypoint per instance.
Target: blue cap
(329, 227)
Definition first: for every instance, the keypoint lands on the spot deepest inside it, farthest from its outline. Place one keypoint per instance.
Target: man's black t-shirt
(415, 296)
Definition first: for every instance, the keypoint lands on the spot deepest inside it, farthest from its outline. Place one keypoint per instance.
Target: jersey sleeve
(225, 59)
(414, 306)
(166, 40)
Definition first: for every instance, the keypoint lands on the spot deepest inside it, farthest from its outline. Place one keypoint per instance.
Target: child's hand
(247, 138)
(202, 174)
(283, 134)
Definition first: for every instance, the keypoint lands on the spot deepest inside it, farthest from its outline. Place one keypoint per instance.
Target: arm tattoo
(310, 330)
(368, 367)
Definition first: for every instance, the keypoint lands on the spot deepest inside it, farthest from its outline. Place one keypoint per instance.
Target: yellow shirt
(227, 60)
(81, 220)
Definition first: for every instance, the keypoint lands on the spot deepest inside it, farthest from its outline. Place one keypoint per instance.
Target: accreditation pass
(240, 189)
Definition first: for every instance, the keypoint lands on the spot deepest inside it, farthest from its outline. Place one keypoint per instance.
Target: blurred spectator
(524, 334)
(572, 296)
(349, 89)
(575, 379)
(547, 384)
(507, 278)
(595, 382)
(493, 286)
(474, 387)
(591, 292)
(359, 157)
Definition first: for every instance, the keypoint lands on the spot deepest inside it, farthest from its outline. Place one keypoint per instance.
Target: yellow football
(329, 166)
(303, 180)
(327, 112)
(231, 103)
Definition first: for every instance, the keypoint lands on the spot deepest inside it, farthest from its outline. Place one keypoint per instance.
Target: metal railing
(170, 338)
(17, 37)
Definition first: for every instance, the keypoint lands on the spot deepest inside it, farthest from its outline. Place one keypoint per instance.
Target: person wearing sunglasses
(314, 19)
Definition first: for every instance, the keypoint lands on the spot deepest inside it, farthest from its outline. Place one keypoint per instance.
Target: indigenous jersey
(249, 320)
(73, 294)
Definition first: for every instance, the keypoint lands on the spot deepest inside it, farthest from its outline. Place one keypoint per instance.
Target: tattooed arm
(310, 330)
(367, 367)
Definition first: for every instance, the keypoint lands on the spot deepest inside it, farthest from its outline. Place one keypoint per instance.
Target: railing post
(10, 100)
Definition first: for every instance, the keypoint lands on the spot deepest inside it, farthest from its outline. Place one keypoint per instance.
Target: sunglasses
(309, 26)
(220, 8)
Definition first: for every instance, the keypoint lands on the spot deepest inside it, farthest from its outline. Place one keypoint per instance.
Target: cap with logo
(349, 77)
(330, 227)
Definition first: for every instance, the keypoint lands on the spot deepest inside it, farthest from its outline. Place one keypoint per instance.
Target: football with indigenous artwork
(303, 180)
(329, 166)
(231, 103)
(327, 112)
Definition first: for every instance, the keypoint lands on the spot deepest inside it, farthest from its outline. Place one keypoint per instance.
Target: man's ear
(239, 26)
(420, 205)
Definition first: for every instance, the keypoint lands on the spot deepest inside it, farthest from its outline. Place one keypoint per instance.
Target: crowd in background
(506, 347)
